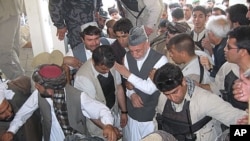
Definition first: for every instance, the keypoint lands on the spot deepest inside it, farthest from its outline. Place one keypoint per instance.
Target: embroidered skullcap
(50, 76)
(55, 57)
(137, 35)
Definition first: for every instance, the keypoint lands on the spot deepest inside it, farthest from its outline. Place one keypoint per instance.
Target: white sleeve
(84, 84)
(147, 86)
(129, 93)
(94, 109)
(25, 112)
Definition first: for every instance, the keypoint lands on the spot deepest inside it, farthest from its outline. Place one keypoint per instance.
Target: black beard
(45, 95)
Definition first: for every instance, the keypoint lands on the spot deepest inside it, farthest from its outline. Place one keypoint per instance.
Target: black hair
(237, 13)
(209, 10)
(200, 8)
(178, 13)
(168, 77)
(182, 42)
(123, 25)
(163, 23)
(104, 55)
(174, 5)
(190, 6)
(242, 36)
(91, 30)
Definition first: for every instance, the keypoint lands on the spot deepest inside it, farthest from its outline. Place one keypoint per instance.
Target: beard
(45, 95)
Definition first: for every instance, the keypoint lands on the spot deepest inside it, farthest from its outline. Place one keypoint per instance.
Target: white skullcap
(221, 7)
(88, 24)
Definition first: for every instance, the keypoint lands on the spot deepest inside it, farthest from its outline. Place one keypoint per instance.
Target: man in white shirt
(142, 97)
(13, 94)
(63, 108)
(102, 82)
(91, 39)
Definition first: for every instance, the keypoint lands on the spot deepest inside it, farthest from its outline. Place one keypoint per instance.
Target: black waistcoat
(108, 88)
(228, 95)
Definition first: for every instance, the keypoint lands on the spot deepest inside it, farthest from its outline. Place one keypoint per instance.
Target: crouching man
(63, 108)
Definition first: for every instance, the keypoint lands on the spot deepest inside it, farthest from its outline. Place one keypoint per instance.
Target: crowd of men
(143, 70)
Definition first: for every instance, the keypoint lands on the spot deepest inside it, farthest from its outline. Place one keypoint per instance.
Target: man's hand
(67, 72)
(129, 86)
(72, 61)
(118, 133)
(243, 120)
(109, 133)
(61, 33)
(122, 70)
(241, 89)
(207, 45)
(205, 62)
(148, 30)
(152, 74)
(123, 120)
(136, 100)
(7, 136)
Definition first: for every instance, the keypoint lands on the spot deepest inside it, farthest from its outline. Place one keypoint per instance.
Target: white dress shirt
(84, 84)
(90, 108)
(146, 86)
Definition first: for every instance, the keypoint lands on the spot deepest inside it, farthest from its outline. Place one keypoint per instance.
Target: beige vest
(99, 96)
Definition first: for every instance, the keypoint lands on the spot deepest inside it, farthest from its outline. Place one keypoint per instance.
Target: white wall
(42, 31)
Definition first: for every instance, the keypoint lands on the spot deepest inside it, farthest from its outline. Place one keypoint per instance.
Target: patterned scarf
(61, 112)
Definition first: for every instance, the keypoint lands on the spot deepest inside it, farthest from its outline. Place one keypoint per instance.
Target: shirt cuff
(129, 93)
(12, 129)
